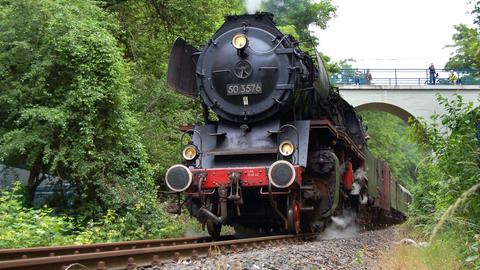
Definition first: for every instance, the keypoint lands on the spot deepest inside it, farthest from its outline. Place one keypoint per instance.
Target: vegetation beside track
(445, 253)
(22, 226)
(445, 182)
(84, 99)
(446, 192)
(446, 188)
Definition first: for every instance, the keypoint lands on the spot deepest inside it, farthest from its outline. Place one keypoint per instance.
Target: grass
(446, 252)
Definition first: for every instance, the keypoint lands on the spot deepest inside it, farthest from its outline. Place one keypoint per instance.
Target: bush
(445, 205)
(474, 253)
(26, 227)
(21, 226)
(452, 167)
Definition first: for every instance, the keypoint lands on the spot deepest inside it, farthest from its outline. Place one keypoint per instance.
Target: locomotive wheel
(293, 214)
(214, 229)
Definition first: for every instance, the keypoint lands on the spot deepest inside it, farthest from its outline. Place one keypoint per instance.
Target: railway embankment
(360, 250)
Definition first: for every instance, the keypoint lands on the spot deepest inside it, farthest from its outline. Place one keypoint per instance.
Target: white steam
(252, 6)
(192, 231)
(342, 227)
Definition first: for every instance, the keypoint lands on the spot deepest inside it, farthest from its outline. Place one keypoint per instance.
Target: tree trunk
(34, 179)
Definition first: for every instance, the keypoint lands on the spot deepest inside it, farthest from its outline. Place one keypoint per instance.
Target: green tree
(301, 14)
(389, 140)
(297, 16)
(149, 28)
(467, 48)
(64, 104)
(466, 44)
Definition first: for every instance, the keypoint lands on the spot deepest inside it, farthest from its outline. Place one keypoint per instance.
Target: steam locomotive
(286, 152)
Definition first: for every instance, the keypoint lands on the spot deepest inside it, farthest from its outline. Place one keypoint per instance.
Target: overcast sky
(393, 33)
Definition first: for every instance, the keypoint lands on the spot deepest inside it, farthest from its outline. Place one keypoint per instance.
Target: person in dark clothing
(431, 70)
(369, 76)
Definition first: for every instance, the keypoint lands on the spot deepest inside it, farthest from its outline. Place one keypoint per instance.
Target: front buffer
(254, 198)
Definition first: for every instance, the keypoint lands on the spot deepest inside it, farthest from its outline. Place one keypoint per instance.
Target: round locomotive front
(244, 73)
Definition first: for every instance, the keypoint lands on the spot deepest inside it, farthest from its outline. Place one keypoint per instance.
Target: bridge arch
(407, 101)
(386, 107)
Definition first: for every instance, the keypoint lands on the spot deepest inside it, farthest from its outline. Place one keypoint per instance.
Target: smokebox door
(181, 68)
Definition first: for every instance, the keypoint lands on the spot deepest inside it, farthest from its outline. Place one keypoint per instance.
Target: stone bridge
(406, 101)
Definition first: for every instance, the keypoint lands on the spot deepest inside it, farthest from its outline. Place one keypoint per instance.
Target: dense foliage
(21, 226)
(25, 227)
(453, 165)
(84, 99)
(302, 14)
(64, 102)
(446, 196)
(389, 141)
(444, 165)
(149, 29)
(466, 45)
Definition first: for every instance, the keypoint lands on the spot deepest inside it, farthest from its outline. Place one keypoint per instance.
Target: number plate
(241, 89)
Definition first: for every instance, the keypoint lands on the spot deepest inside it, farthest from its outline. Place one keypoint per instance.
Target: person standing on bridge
(431, 70)
(357, 74)
(369, 76)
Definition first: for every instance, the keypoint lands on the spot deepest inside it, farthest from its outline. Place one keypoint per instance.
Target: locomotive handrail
(274, 192)
(271, 50)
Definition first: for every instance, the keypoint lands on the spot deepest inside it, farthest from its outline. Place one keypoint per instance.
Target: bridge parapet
(446, 87)
(406, 77)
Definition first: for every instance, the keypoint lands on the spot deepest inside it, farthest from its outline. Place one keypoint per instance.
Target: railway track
(131, 254)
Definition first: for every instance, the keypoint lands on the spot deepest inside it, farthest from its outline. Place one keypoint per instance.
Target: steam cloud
(343, 227)
(194, 232)
(252, 6)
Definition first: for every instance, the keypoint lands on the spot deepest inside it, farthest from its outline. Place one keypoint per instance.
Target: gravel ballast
(353, 251)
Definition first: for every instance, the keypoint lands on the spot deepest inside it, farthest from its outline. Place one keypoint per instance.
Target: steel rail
(131, 258)
(35, 252)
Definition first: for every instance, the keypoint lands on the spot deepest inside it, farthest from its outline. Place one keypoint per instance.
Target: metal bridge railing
(406, 77)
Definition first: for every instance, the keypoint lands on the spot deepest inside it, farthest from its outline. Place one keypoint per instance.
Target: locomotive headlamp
(286, 148)
(190, 152)
(178, 178)
(281, 174)
(239, 41)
